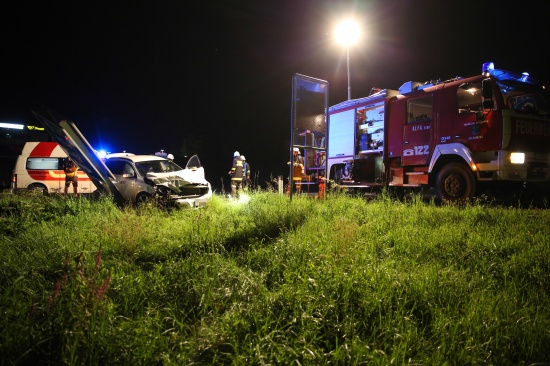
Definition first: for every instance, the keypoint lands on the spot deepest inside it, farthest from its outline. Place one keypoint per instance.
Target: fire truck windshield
(524, 94)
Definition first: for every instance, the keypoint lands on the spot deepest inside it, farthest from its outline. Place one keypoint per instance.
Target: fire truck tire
(455, 182)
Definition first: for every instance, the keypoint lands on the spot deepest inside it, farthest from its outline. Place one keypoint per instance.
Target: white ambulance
(40, 167)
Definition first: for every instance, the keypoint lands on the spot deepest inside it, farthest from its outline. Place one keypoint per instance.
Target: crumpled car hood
(184, 177)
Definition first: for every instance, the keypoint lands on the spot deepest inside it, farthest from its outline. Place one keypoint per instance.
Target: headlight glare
(517, 158)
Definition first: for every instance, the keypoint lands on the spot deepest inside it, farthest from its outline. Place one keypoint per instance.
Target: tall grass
(341, 281)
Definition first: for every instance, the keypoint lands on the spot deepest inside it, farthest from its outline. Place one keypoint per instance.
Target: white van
(40, 167)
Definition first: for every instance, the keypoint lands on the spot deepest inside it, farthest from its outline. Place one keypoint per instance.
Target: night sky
(212, 77)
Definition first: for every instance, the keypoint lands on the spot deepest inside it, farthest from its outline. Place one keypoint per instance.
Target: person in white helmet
(170, 157)
(246, 173)
(237, 174)
(297, 169)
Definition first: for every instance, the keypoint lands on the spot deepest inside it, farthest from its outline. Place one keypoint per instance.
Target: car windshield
(157, 166)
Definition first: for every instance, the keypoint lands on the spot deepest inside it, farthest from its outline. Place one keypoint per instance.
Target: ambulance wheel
(455, 182)
(38, 188)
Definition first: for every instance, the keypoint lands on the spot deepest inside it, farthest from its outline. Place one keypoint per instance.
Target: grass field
(273, 281)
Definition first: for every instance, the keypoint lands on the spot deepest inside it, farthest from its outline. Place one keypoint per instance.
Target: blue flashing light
(487, 67)
(524, 76)
(102, 154)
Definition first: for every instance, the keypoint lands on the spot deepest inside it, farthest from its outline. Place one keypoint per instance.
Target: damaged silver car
(131, 178)
(143, 177)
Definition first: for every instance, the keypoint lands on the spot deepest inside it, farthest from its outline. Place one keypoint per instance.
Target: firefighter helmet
(296, 149)
(170, 157)
(242, 157)
(236, 153)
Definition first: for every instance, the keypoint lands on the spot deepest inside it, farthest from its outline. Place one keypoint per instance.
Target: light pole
(347, 33)
(349, 83)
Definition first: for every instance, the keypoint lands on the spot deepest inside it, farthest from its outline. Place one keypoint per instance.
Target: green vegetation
(273, 281)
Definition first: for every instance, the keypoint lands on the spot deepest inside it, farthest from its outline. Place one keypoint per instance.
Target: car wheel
(455, 182)
(143, 198)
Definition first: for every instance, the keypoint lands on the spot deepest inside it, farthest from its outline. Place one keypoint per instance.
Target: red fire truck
(457, 136)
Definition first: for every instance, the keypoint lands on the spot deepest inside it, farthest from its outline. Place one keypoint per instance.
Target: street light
(347, 33)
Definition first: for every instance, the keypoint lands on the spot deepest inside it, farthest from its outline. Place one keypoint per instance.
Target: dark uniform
(246, 173)
(237, 175)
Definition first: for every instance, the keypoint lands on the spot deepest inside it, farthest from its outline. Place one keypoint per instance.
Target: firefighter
(297, 169)
(70, 170)
(246, 173)
(237, 174)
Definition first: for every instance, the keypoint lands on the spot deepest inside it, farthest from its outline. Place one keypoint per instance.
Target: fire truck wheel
(455, 182)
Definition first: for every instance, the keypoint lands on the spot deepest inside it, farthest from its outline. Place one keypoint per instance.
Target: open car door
(71, 140)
